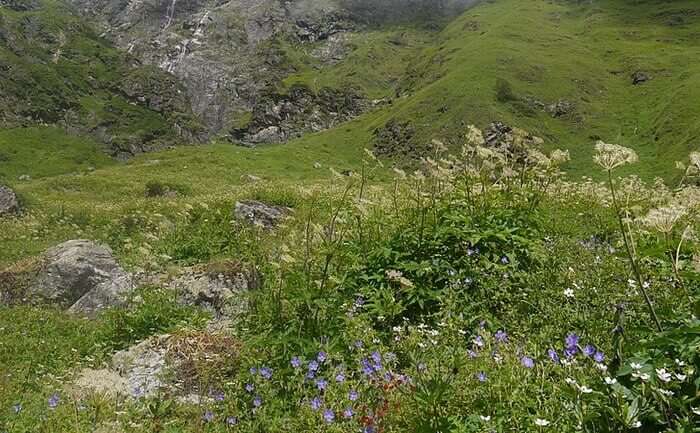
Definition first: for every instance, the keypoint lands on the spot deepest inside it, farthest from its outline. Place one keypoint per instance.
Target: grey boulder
(8, 201)
(260, 214)
(82, 276)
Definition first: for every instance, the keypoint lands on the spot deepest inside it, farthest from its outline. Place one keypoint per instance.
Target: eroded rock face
(224, 52)
(82, 276)
(260, 214)
(8, 201)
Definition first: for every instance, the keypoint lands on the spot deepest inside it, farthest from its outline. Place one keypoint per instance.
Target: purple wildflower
(376, 357)
(505, 260)
(369, 429)
(359, 344)
(472, 354)
(553, 355)
(310, 375)
(571, 341)
(253, 371)
(599, 357)
(321, 384)
(208, 416)
(266, 373)
(53, 401)
(589, 350)
(367, 367)
(328, 416)
(501, 336)
(527, 362)
(353, 395)
(257, 401)
(570, 352)
(316, 403)
(313, 366)
(231, 420)
(296, 362)
(340, 378)
(479, 341)
(249, 387)
(348, 413)
(217, 395)
(17, 408)
(321, 357)
(481, 377)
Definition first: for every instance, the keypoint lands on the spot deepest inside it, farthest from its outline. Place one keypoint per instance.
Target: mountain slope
(562, 69)
(56, 70)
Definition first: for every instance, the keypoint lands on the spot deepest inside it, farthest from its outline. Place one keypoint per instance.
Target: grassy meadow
(472, 290)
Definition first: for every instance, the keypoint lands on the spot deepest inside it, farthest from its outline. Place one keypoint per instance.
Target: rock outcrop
(260, 214)
(81, 276)
(277, 118)
(9, 204)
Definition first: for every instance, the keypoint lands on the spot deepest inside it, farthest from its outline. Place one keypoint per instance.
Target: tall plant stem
(630, 254)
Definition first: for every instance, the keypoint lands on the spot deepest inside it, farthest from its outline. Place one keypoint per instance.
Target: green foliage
(153, 311)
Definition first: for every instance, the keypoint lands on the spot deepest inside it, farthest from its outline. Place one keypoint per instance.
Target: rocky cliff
(229, 55)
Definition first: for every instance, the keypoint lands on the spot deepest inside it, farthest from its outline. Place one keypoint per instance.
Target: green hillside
(543, 52)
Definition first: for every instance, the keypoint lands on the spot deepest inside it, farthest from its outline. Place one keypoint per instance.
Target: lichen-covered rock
(8, 201)
(220, 294)
(82, 276)
(260, 214)
(143, 366)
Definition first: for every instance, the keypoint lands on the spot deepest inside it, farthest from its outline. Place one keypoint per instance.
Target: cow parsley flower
(612, 156)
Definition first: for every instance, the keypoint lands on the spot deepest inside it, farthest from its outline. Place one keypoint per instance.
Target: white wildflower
(665, 218)
(542, 422)
(486, 418)
(610, 381)
(569, 293)
(663, 375)
(636, 424)
(611, 156)
(636, 366)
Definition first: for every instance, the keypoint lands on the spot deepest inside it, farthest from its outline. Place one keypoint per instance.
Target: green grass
(42, 152)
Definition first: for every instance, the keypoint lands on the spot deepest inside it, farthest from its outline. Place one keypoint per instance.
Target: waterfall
(170, 14)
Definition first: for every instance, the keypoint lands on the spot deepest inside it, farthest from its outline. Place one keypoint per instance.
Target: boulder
(640, 77)
(260, 214)
(219, 294)
(561, 108)
(82, 276)
(8, 201)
